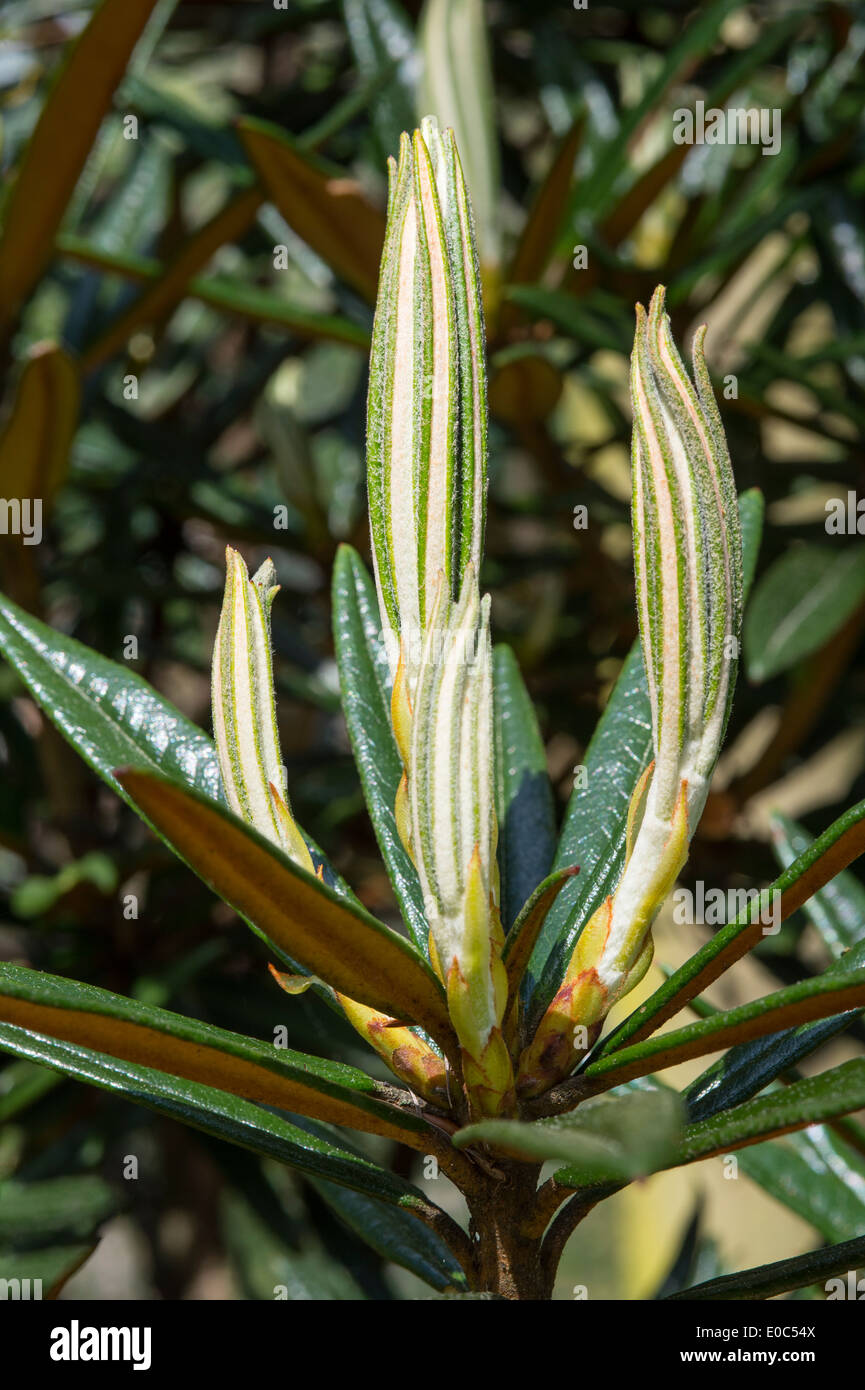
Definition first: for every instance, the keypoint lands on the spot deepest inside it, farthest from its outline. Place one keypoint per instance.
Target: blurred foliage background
(188, 261)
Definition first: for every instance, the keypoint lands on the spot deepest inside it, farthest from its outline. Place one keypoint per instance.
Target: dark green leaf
(524, 796)
(767, 1281)
(216, 1112)
(827, 995)
(816, 1175)
(838, 910)
(805, 1103)
(364, 679)
(110, 715)
(186, 1048)
(606, 1139)
(806, 596)
(593, 834)
(817, 866)
(396, 1236)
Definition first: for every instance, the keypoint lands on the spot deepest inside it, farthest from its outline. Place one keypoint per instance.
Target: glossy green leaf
(606, 1139)
(810, 1102)
(842, 842)
(217, 1112)
(838, 910)
(523, 935)
(110, 715)
(768, 1281)
(827, 995)
(593, 834)
(332, 937)
(53, 1211)
(186, 1048)
(816, 1175)
(395, 1236)
(806, 596)
(524, 795)
(365, 684)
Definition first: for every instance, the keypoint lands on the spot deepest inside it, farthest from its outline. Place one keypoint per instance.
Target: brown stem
(506, 1247)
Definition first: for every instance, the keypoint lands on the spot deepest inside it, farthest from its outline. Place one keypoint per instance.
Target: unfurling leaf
(688, 565)
(244, 713)
(450, 796)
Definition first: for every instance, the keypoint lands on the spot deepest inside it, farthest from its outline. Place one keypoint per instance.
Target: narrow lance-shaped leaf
(326, 208)
(331, 937)
(524, 795)
(838, 912)
(54, 155)
(817, 1267)
(217, 1112)
(688, 566)
(182, 1047)
(837, 847)
(365, 688)
(814, 1173)
(108, 713)
(838, 1092)
(835, 992)
(456, 84)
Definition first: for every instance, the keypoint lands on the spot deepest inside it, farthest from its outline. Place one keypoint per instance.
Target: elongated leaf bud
(453, 830)
(244, 715)
(688, 565)
(427, 412)
(407, 1055)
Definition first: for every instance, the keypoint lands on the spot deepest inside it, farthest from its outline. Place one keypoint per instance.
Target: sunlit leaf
(327, 209)
(185, 1048)
(330, 936)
